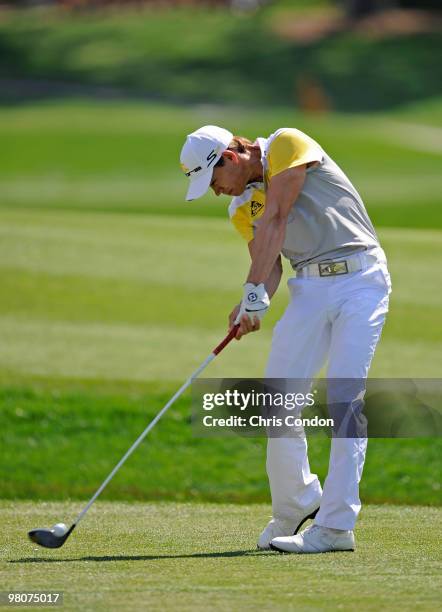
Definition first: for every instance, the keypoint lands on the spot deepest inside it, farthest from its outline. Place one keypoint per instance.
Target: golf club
(57, 536)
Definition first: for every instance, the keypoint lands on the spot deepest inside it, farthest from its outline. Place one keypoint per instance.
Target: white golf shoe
(315, 539)
(277, 528)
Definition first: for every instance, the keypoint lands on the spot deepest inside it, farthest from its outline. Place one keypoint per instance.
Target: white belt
(338, 266)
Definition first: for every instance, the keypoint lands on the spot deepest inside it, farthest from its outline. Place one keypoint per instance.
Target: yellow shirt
(287, 148)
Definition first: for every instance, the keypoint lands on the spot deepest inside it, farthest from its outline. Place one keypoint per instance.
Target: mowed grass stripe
(168, 190)
(138, 556)
(134, 352)
(199, 253)
(122, 292)
(82, 299)
(88, 155)
(45, 298)
(124, 352)
(84, 427)
(143, 136)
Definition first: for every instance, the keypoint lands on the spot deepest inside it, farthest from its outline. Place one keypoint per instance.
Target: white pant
(339, 317)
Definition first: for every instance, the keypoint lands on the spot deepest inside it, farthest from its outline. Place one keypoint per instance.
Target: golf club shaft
(211, 357)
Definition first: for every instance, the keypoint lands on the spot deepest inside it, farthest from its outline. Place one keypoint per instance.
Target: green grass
(124, 157)
(94, 296)
(114, 291)
(82, 428)
(191, 556)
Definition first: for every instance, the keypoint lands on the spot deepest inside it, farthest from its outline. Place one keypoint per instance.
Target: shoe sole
(306, 518)
(322, 552)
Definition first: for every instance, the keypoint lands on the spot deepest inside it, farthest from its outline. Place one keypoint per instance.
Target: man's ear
(231, 155)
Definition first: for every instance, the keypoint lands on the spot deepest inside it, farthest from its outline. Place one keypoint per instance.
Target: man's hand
(248, 314)
(246, 325)
(233, 315)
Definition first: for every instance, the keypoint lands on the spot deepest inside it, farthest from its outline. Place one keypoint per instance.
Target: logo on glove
(252, 297)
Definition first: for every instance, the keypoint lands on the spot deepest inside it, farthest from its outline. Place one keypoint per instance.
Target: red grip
(227, 339)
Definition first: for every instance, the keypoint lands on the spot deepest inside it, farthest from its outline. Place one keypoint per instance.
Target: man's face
(231, 178)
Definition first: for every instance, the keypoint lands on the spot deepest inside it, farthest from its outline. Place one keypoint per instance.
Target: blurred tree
(421, 4)
(357, 9)
(354, 8)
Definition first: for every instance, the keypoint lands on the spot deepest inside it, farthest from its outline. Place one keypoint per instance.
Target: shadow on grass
(230, 553)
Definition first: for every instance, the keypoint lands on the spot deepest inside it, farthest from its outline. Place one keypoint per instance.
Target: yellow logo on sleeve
(255, 207)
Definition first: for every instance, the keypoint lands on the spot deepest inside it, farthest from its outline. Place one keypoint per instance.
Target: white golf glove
(255, 302)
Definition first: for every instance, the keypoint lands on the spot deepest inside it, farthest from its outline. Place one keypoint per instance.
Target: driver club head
(47, 538)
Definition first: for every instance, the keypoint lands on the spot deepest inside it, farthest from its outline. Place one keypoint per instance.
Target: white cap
(200, 153)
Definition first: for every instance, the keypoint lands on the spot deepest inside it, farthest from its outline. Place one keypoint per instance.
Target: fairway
(89, 155)
(105, 286)
(114, 290)
(183, 556)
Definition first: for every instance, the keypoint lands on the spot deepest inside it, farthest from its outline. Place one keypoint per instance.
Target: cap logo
(211, 157)
(197, 169)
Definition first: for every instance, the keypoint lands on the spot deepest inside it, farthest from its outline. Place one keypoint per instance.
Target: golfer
(290, 198)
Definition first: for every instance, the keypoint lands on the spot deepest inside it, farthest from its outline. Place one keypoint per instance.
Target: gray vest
(328, 219)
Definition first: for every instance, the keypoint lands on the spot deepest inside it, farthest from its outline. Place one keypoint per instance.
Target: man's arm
(271, 285)
(282, 192)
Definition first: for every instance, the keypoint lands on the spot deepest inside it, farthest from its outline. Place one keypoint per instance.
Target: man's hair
(239, 144)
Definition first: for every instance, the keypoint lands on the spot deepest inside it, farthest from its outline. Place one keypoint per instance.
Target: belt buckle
(333, 268)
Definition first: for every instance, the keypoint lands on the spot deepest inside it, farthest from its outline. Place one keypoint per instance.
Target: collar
(263, 142)
(263, 146)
